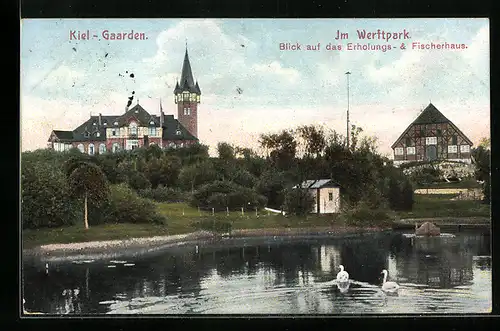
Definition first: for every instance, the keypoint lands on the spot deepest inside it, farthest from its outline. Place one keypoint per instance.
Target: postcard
(255, 166)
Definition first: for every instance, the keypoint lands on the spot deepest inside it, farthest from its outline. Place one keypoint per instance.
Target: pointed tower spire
(186, 81)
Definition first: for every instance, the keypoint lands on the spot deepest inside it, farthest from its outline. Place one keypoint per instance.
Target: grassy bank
(181, 218)
(441, 205)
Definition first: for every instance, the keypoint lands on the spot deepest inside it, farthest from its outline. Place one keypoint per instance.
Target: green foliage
(87, 179)
(481, 156)
(45, 196)
(138, 181)
(222, 194)
(225, 151)
(272, 184)
(298, 201)
(163, 194)
(126, 206)
(194, 175)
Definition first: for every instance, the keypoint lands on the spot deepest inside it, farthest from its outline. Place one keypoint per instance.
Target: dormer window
(116, 123)
(105, 123)
(94, 123)
(178, 132)
(152, 123)
(136, 111)
(97, 134)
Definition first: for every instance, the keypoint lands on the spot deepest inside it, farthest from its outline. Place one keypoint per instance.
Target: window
(464, 148)
(181, 145)
(330, 196)
(431, 140)
(439, 132)
(133, 128)
(91, 149)
(152, 123)
(408, 141)
(115, 147)
(178, 132)
(116, 123)
(86, 134)
(97, 134)
(105, 124)
(81, 148)
(398, 151)
(171, 145)
(102, 149)
(113, 132)
(94, 123)
(410, 150)
(132, 144)
(152, 131)
(454, 140)
(452, 148)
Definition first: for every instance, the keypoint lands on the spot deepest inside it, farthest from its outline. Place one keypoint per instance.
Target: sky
(65, 81)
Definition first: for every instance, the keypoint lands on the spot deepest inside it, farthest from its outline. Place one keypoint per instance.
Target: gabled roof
(170, 128)
(63, 135)
(140, 114)
(186, 82)
(430, 115)
(315, 184)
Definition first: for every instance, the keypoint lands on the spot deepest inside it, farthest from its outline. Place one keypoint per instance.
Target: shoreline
(96, 250)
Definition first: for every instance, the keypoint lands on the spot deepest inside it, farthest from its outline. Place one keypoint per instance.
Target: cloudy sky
(63, 81)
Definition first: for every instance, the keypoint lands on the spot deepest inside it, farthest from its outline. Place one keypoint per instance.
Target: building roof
(92, 130)
(187, 82)
(140, 115)
(174, 130)
(315, 184)
(63, 135)
(430, 115)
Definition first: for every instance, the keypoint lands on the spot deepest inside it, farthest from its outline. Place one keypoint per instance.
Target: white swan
(389, 287)
(342, 276)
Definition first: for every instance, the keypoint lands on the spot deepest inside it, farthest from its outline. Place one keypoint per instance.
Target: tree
(298, 201)
(194, 175)
(87, 181)
(282, 147)
(314, 139)
(225, 151)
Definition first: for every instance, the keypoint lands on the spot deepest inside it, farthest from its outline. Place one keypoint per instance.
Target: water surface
(448, 274)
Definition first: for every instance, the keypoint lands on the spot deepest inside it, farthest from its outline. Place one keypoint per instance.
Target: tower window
(187, 111)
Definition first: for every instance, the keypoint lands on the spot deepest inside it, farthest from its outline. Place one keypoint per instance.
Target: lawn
(180, 218)
(441, 205)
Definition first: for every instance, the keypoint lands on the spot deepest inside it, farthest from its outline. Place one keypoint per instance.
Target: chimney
(100, 119)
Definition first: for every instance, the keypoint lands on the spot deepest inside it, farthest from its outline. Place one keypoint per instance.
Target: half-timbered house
(431, 137)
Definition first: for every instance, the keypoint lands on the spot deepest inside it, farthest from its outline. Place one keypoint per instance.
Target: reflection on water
(450, 274)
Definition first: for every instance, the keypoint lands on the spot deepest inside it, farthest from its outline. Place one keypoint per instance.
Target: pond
(447, 274)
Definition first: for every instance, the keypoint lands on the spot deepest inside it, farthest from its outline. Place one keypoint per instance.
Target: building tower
(187, 97)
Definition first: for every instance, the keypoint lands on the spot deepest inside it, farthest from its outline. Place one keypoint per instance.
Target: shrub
(45, 197)
(221, 194)
(298, 201)
(126, 206)
(138, 181)
(162, 194)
